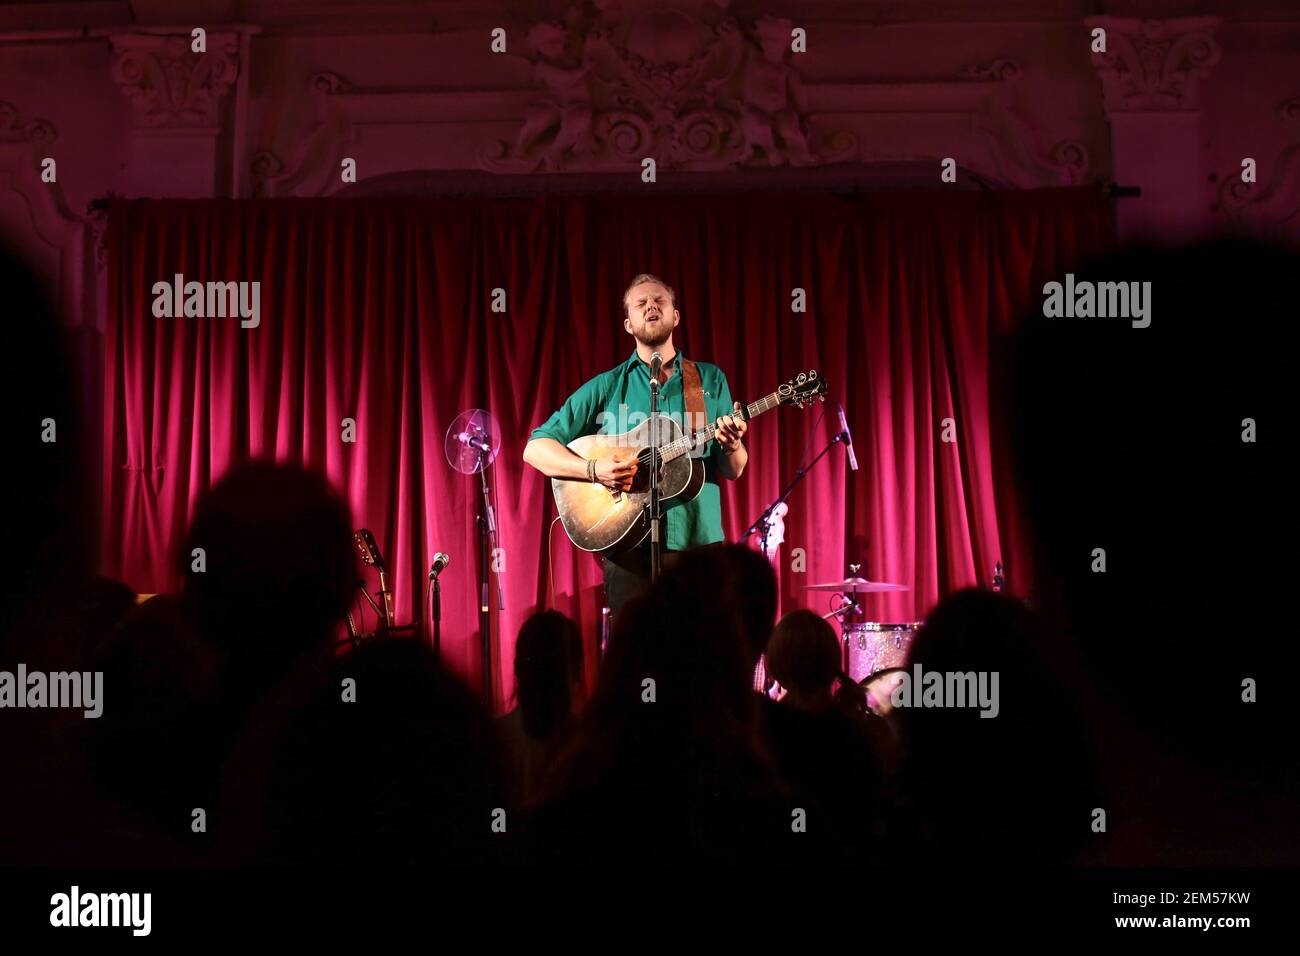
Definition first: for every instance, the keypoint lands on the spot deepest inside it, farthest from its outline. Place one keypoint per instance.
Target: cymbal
(856, 586)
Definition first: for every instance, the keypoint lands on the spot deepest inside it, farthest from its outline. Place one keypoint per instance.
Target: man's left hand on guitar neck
(730, 429)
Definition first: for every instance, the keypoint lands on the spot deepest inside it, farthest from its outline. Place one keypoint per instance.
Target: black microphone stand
(437, 616)
(762, 523)
(487, 533)
(653, 504)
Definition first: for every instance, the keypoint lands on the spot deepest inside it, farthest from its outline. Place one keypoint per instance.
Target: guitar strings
(677, 447)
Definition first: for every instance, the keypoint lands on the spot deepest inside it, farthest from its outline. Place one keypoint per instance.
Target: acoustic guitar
(598, 518)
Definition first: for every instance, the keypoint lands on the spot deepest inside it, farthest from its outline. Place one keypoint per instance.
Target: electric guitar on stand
(597, 518)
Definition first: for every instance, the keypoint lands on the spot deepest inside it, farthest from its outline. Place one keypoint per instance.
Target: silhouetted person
(821, 751)
(1151, 474)
(105, 604)
(666, 763)
(277, 576)
(548, 674)
(261, 600)
(44, 568)
(49, 545)
(1018, 784)
(747, 580)
(156, 752)
(379, 757)
(804, 656)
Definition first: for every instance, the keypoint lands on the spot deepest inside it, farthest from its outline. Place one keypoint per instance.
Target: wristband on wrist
(591, 469)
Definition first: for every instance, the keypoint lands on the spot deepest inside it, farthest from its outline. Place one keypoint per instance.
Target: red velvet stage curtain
(380, 311)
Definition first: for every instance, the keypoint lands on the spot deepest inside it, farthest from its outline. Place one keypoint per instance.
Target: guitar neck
(696, 439)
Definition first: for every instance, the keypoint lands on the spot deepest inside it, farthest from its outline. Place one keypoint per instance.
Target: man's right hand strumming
(616, 471)
(555, 461)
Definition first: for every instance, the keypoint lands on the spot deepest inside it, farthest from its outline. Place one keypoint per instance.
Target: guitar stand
(356, 637)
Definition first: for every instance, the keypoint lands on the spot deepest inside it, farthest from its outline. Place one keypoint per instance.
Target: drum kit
(875, 653)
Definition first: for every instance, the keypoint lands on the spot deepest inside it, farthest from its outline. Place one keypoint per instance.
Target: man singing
(649, 316)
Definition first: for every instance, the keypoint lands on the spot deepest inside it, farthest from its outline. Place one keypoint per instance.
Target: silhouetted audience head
(1020, 781)
(689, 636)
(667, 751)
(548, 664)
(278, 566)
(103, 604)
(749, 583)
(832, 754)
(155, 751)
(804, 654)
(386, 758)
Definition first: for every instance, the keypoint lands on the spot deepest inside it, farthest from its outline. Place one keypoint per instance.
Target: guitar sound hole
(643, 461)
(641, 480)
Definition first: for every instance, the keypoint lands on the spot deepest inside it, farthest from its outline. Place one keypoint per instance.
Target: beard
(653, 336)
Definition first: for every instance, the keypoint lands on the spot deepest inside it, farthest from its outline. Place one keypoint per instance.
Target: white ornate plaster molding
(15, 128)
(1275, 203)
(1015, 154)
(685, 83)
(36, 212)
(313, 166)
(168, 84)
(694, 88)
(1155, 64)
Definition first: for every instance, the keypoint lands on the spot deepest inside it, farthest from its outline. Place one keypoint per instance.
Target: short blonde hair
(647, 277)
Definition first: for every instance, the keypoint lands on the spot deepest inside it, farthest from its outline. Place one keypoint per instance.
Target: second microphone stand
(762, 523)
(487, 523)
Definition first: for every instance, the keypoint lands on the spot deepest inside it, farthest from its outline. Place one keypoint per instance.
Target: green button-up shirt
(618, 400)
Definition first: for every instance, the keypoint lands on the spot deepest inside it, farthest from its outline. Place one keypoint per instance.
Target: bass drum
(874, 647)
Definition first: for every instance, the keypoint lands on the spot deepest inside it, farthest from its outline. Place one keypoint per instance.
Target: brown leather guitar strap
(693, 394)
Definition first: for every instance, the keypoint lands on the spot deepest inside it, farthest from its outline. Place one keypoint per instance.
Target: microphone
(440, 562)
(656, 365)
(848, 439)
(473, 441)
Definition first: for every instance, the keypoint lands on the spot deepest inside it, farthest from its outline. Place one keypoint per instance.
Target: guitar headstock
(368, 549)
(803, 389)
